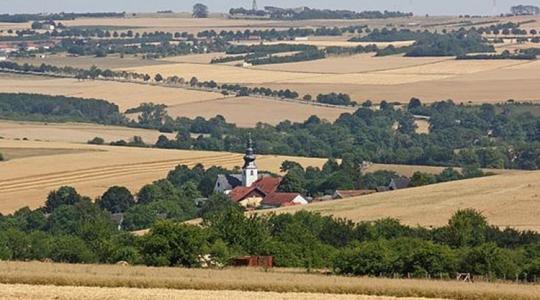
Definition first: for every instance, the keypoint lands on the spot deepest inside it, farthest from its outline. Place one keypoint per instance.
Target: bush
(71, 249)
(96, 141)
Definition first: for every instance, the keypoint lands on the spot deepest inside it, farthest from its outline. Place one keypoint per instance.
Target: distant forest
(306, 13)
(24, 18)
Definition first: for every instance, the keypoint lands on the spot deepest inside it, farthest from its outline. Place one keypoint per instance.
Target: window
(252, 173)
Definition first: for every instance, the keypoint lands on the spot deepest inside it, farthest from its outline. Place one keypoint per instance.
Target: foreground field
(32, 292)
(511, 199)
(285, 281)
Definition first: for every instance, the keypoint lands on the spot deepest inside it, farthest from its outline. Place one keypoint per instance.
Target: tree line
(58, 109)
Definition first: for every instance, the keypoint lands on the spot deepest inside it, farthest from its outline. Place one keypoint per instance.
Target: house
(342, 194)
(252, 196)
(252, 190)
(399, 183)
(276, 199)
(3, 58)
(225, 183)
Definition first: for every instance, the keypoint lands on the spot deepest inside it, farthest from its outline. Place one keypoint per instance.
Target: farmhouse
(252, 190)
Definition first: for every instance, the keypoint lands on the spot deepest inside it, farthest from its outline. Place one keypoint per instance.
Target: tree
(467, 228)
(116, 199)
(158, 78)
(200, 11)
(172, 244)
(71, 249)
(63, 196)
(293, 182)
(1, 157)
(421, 179)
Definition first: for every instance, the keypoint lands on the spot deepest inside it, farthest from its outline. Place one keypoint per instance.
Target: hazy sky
(434, 7)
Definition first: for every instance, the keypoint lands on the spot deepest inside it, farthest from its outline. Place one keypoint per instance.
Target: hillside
(511, 199)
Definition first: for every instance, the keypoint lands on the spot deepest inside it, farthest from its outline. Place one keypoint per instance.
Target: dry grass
(248, 111)
(510, 199)
(194, 58)
(73, 132)
(254, 280)
(125, 95)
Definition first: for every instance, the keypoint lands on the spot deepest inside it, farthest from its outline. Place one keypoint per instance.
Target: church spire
(249, 158)
(250, 173)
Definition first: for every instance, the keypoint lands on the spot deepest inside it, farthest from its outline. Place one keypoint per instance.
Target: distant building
(525, 10)
(399, 183)
(274, 200)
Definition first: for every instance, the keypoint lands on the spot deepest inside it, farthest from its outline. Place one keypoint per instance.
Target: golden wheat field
(287, 282)
(125, 95)
(248, 111)
(511, 199)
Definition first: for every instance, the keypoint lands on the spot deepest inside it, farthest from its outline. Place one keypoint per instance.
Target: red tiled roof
(280, 199)
(263, 187)
(267, 184)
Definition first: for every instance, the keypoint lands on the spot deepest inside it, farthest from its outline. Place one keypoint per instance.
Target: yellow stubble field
(510, 199)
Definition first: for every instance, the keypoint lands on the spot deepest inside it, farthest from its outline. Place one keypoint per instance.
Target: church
(253, 190)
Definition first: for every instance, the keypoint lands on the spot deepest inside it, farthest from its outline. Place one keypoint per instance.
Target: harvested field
(125, 95)
(220, 73)
(248, 111)
(511, 199)
(93, 169)
(32, 292)
(73, 132)
(194, 58)
(361, 63)
(16, 153)
(393, 78)
(187, 282)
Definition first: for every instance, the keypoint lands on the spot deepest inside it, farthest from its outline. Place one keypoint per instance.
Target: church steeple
(250, 172)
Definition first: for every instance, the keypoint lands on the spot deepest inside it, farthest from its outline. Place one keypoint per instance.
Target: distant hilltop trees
(525, 10)
(306, 13)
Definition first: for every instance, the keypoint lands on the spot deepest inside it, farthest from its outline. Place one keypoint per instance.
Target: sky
(419, 7)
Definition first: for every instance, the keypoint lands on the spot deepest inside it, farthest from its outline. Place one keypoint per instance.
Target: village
(254, 190)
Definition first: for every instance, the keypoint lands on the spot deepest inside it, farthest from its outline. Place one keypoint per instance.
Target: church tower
(250, 174)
